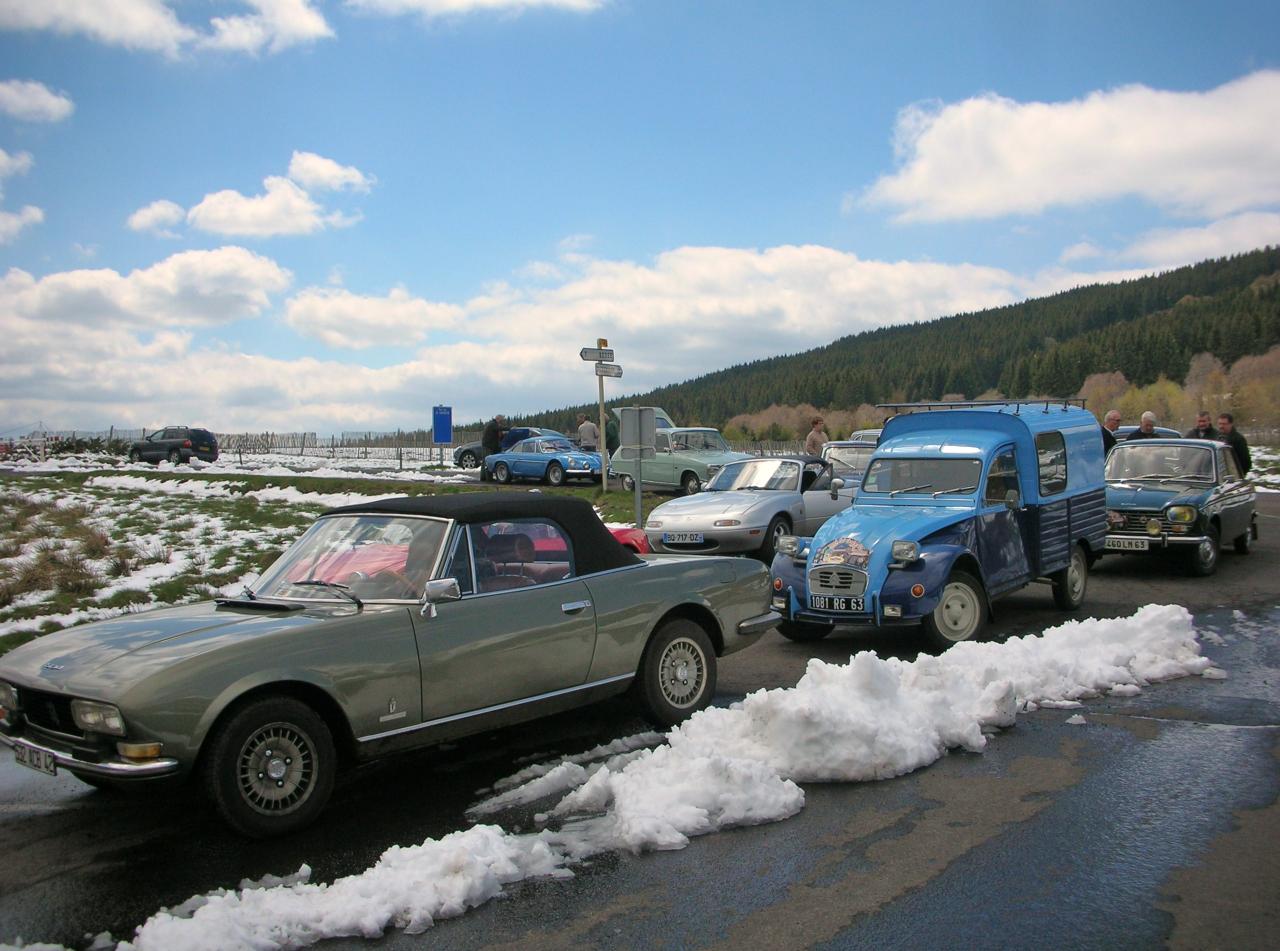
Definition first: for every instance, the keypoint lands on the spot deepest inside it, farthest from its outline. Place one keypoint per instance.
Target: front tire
(960, 615)
(270, 767)
(468, 460)
(555, 474)
(801, 631)
(628, 484)
(677, 675)
(1070, 583)
(502, 473)
(175, 457)
(1243, 544)
(1204, 557)
(690, 484)
(135, 456)
(778, 526)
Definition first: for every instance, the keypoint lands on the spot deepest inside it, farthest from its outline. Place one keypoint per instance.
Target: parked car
(661, 418)
(849, 457)
(686, 458)
(550, 459)
(389, 625)
(468, 455)
(865, 435)
(956, 508)
(747, 506)
(1124, 432)
(177, 444)
(1179, 494)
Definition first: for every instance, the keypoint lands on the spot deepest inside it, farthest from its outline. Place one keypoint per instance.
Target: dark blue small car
(960, 503)
(1179, 494)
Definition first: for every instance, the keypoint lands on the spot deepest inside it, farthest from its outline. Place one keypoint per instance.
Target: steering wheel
(395, 585)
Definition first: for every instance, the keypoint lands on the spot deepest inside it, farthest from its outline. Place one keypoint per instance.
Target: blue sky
(333, 214)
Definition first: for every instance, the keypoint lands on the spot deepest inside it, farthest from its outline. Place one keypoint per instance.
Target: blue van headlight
(905, 552)
(788, 545)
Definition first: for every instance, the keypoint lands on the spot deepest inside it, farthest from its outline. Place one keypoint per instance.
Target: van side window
(1051, 454)
(1002, 479)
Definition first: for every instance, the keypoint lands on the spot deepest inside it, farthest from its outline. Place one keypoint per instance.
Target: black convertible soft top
(595, 549)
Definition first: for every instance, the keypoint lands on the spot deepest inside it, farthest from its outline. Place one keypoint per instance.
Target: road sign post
(637, 432)
(601, 354)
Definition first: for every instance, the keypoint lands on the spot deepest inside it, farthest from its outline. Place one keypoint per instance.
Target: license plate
(827, 602)
(1128, 544)
(41, 761)
(681, 538)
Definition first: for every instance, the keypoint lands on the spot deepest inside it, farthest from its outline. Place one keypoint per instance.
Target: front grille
(1136, 523)
(834, 580)
(708, 545)
(50, 711)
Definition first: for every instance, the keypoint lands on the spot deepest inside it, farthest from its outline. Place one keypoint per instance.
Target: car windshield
(697, 440)
(1162, 463)
(780, 474)
(374, 557)
(556, 445)
(849, 458)
(929, 476)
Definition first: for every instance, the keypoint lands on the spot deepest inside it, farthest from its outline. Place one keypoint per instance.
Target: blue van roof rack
(969, 404)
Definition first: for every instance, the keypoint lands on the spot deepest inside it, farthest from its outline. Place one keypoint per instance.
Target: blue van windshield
(926, 476)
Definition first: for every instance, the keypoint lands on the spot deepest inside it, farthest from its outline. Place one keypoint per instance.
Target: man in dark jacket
(1109, 424)
(1146, 427)
(491, 441)
(1228, 434)
(1203, 428)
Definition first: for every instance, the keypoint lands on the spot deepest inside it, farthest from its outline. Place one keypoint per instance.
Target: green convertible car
(387, 626)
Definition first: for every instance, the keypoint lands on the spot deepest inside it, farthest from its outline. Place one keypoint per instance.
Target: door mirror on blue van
(836, 485)
(1012, 499)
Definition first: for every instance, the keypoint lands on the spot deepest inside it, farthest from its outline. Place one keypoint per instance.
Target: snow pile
(200, 488)
(724, 767)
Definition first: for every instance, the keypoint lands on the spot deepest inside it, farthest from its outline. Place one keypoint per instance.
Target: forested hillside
(1144, 328)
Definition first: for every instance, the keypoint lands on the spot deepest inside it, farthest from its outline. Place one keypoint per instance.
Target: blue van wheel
(1070, 583)
(960, 615)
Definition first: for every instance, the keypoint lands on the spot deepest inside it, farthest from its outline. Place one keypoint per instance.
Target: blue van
(961, 503)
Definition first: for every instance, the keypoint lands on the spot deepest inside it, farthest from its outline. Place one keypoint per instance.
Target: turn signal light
(777, 584)
(139, 751)
(917, 591)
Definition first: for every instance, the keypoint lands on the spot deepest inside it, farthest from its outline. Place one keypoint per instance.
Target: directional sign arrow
(597, 354)
(608, 369)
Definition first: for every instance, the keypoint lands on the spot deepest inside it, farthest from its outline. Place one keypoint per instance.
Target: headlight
(8, 696)
(93, 717)
(788, 545)
(653, 523)
(1182, 513)
(905, 551)
(726, 522)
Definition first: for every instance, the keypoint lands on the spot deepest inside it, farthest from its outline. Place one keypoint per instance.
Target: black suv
(175, 443)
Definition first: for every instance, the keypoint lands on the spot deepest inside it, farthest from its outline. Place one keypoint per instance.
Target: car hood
(1153, 496)
(581, 459)
(88, 653)
(717, 504)
(876, 527)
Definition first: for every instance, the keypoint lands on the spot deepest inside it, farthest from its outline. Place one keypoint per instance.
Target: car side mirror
(836, 485)
(438, 592)
(1012, 499)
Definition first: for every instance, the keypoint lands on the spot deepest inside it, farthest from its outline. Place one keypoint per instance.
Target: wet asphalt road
(1154, 824)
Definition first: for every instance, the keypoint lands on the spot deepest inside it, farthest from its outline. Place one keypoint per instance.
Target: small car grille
(832, 580)
(49, 711)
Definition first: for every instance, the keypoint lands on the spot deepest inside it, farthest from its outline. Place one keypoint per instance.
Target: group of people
(1204, 429)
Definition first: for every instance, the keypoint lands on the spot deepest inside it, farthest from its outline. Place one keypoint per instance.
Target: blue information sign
(442, 424)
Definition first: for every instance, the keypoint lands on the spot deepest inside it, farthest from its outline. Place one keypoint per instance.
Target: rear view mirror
(1012, 500)
(836, 485)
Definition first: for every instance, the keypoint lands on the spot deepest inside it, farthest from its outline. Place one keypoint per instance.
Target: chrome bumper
(114, 769)
(1156, 541)
(758, 624)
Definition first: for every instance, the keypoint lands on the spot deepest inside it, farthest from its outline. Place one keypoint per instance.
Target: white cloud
(33, 102)
(317, 172)
(345, 320)
(10, 165)
(151, 25)
(283, 209)
(1171, 247)
(277, 25)
(11, 223)
(1079, 251)
(133, 24)
(159, 217)
(1206, 153)
(431, 9)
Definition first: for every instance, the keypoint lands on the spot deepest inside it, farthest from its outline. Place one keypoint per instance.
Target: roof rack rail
(1017, 405)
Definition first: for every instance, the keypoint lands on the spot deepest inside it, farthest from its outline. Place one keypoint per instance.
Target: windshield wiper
(959, 488)
(342, 589)
(1154, 477)
(911, 488)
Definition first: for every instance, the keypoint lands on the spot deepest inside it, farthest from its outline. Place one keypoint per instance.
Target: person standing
(1110, 423)
(491, 441)
(611, 439)
(817, 436)
(588, 434)
(1146, 428)
(1228, 434)
(1203, 428)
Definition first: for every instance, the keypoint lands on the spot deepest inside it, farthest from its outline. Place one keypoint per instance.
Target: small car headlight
(1154, 527)
(905, 551)
(8, 696)
(788, 545)
(653, 523)
(1182, 513)
(726, 522)
(94, 717)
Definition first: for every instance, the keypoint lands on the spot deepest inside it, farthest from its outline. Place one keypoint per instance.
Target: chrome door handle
(573, 607)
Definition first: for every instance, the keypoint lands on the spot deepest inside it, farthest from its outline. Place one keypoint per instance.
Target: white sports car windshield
(775, 474)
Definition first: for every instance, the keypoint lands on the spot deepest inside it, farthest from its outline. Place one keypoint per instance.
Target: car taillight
(186, 444)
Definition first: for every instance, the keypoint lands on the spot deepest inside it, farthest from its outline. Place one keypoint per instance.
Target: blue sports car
(550, 459)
